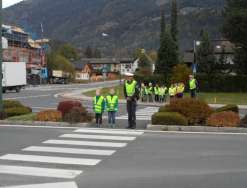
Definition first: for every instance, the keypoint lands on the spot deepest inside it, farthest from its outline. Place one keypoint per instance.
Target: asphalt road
(45, 97)
(157, 160)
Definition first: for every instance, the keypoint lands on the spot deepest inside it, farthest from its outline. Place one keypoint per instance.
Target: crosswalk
(66, 156)
(142, 114)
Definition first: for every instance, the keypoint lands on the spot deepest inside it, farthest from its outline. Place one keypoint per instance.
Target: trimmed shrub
(3, 115)
(196, 111)
(224, 119)
(77, 115)
(164, 109)
(11, 104)
(222, 83)
(229, 107)
(66, 106)
(49, 115)
(244, 121)
(17, 111)
(169, 118)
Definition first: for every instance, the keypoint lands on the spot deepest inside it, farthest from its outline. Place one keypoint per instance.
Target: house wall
(82, 76)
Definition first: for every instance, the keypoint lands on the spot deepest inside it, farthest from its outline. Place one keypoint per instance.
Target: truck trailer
(14, 76)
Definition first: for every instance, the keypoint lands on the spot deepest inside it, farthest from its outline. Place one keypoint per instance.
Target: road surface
(97, 158)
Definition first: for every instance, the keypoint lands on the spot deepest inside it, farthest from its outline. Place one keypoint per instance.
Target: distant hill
(129, 23)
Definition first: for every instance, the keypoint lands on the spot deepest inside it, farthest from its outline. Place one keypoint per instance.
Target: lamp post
(196, 44)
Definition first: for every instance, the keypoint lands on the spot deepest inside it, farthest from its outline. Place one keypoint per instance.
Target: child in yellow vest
(112, 108)
(98, 107)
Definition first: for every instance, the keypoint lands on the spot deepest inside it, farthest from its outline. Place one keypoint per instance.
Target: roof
(14, 28)
(33, 44)
(106, 60)
(188, 57)
(223, 44)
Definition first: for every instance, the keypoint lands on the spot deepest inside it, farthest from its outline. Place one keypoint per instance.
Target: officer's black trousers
(131, 109)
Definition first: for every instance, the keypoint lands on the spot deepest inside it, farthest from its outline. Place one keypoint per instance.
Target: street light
(194, 66)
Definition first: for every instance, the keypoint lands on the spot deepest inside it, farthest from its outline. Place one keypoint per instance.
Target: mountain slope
(129, 23)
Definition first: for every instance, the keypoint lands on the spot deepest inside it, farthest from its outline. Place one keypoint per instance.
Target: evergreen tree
(167, 56)
(174, 21)
(88, 52)
(223, 66)
(162, 23)
(97, 53)
(235, 29)
(205, 56)
(144, 65)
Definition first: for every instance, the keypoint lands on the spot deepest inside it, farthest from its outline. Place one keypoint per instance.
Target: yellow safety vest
(172, 91)
(111, 103)
(180, 89)
(192, 84)
(98, 104)
(130, 88)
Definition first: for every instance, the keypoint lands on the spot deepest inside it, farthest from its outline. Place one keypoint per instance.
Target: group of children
(102, 104)
(148, 93)
(160, 93)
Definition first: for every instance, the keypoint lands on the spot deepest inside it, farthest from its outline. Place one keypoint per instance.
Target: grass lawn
(212, 98)
(105, 91)
(27, 117)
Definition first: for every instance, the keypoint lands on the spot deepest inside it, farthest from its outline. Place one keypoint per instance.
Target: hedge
(17, 111)
(66, 106)
(224, 119)
(77, 115)
(164, 109)
(222, 83)
(215, 83)
(229, 107)
(169, 118)
(196, 111)
(11, 104)
(49, 115)
(244, 121)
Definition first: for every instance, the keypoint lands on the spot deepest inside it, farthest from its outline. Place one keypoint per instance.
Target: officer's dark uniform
(131, 103)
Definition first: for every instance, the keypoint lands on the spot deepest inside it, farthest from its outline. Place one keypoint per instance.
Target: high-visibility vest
(156, 90)
(130, 88)
(192, 84)
(98, 104)
(111, 103)
(162, 91)
(150, 90)
(144, 91)
(180, 89)
(172, 91)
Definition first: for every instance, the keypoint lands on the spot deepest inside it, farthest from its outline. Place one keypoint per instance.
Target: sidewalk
(78, 95)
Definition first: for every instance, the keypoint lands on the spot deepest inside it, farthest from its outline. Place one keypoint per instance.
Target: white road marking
(47, 185)
(86, 143)
(47, 108)
(27, 97)
(98, 137)
(104, 131)
(40, 172)
(49, 159)
(142, 114)
(70, 150)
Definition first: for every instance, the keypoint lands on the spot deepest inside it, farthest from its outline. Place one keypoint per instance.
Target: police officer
(192, 86)
(131, 93)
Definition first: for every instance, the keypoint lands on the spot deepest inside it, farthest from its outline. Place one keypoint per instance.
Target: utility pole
(1, 75)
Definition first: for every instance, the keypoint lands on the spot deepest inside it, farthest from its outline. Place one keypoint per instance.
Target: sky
(7, 3)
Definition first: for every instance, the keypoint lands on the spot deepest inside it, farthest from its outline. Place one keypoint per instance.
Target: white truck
(14, 76)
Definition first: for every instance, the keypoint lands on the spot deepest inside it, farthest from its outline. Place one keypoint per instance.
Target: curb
(171, 128)
(44, 124)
